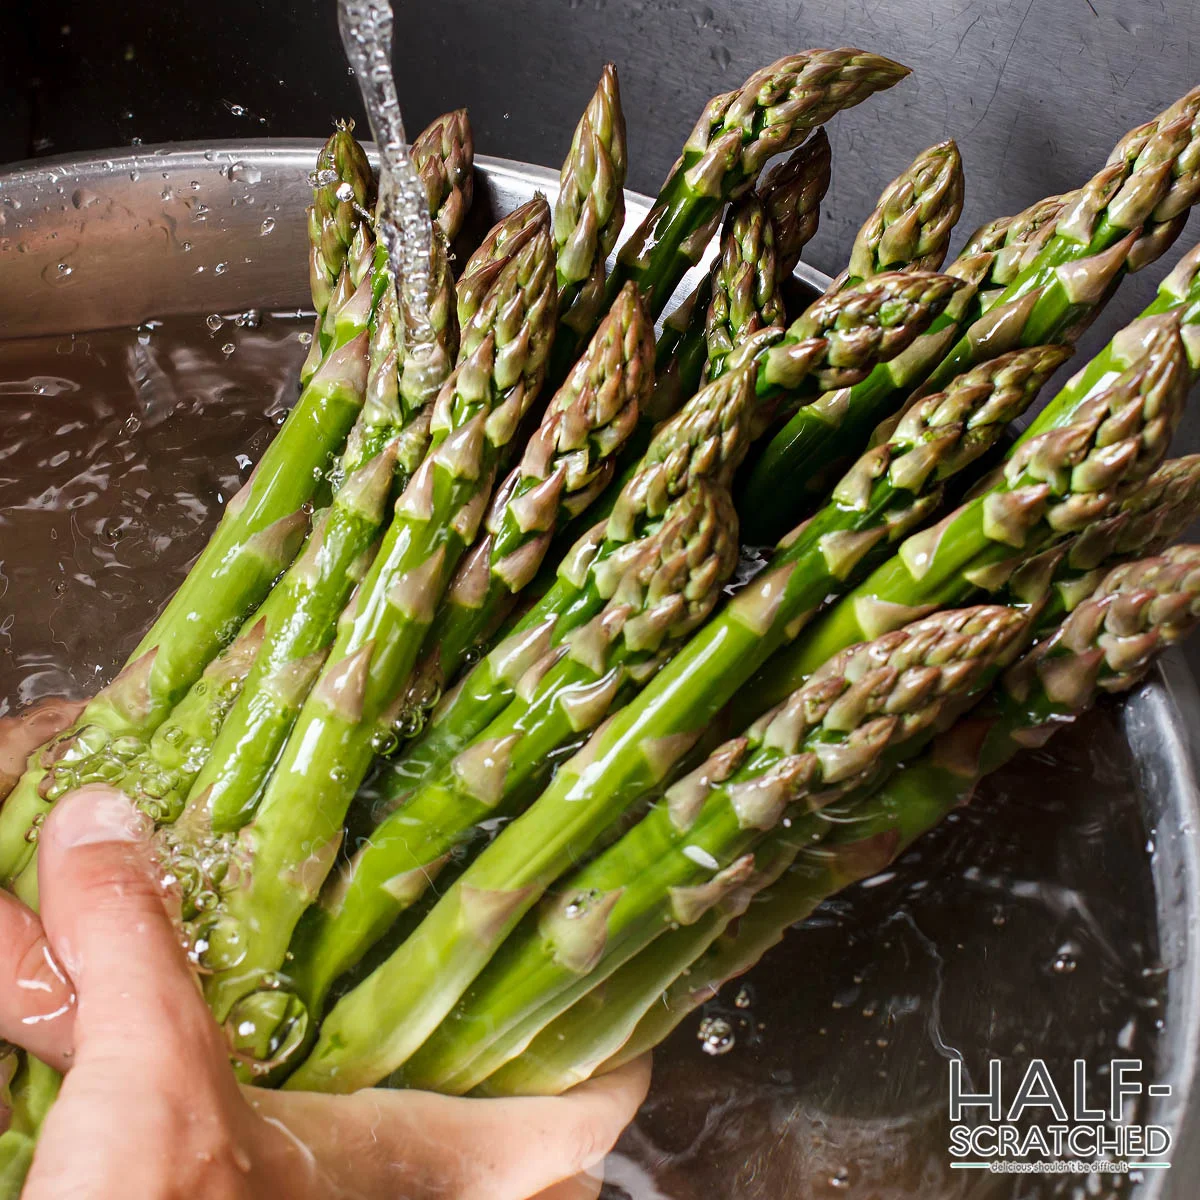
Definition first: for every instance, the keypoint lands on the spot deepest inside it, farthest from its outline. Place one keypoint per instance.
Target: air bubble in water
(716, 1036)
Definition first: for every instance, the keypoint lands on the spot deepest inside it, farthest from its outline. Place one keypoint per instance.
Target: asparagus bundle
(738, 132)
(1058, 262)
(867, 707)
(295, 621)
(856, 326)
(893, 486)
(291, 842)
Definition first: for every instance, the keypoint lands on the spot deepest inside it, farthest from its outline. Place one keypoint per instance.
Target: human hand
(102, 990)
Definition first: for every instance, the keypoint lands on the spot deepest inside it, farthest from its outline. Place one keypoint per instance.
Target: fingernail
(97, 814)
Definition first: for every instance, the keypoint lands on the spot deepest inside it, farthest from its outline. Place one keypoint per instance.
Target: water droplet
(267, 226)
(228, 349)
(744, 998)
(245, 173)
(840, 1179)
(83, 198)
(134, 176)
(185, 246)
(305, 338)
(214, 322)
(221, 268)
(716, 1036)
(721, 56)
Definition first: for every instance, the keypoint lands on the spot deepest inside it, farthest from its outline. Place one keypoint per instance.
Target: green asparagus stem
(1107, 645)
(589, 212)
(737, 133)
(343, 187)
(1053, 484)
(292, 840)
(670, 584)
(710, 434)
(444, 156)
(792, 193)
(864, 710)
(567, 462)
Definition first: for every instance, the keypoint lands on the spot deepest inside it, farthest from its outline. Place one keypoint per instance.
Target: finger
(105, 915)
(37, 1000)
(421, 1145)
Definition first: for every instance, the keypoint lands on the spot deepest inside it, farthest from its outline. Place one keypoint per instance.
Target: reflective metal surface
(115, 240)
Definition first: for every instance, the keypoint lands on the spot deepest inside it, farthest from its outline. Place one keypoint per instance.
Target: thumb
(105, 915)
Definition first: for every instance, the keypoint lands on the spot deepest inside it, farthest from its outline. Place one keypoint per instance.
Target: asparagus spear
(343, 186)
(669, 585)
(589, 212)
(1106, 645)
(1054, 484)
(568, 460)
(293, 838)
(911, 224)
(865, 706)
(792, 192)
(444, 156)
(707, 434)
(633, 751)
(738, 131)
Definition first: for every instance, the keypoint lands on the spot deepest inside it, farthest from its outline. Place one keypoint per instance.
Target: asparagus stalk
(738, 131)
(707, 435)
(293, 838)
(910, 227)
(567, 462)
(343, 186)
(672, 579)
(792, 192)
(444, 156)
(1106, 645)
(1053, 485)
(835, 737)
(589, 212)
(637, 747)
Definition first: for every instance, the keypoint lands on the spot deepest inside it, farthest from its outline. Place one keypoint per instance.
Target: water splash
(402, 216)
